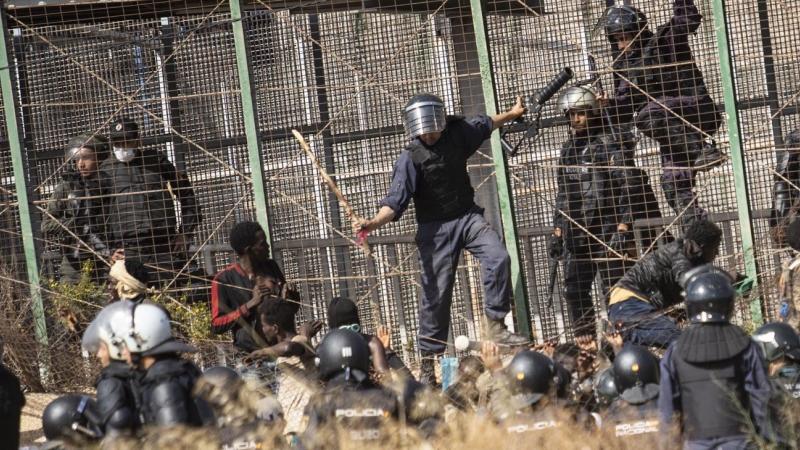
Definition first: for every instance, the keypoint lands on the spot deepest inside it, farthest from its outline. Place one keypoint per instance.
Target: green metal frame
(250, 118)
(521, 304)
(737, 155)
(26, 209)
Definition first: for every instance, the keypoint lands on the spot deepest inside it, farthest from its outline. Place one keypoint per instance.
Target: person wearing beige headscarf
(128, 280)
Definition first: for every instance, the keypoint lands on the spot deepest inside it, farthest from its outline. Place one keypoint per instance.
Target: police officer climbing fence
(601, 193)
(433, 171)
(660, 88)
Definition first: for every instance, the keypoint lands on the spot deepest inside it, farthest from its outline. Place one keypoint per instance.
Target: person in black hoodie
(116, 401)
(166, 381)
(714, 380)
(11, 402)
(654, 284)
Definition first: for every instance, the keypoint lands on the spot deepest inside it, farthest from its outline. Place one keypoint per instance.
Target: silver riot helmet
(424, 113)
(101, 330)
(578, 97)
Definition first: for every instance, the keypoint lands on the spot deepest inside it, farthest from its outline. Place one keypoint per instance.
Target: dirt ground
(31, 423)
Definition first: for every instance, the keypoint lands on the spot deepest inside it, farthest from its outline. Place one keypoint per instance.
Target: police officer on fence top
(433, 171)
(659, 82)
(601, 193)
(75, 210)
(713, 378)
(636, 413)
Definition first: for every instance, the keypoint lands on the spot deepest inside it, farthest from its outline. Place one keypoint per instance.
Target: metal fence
(218, 87)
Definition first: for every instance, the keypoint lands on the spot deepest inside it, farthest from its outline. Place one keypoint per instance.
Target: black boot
(708, 157)
(499, 334)
(427, 370)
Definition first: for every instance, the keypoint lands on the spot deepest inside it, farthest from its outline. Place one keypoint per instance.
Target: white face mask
(125, 154)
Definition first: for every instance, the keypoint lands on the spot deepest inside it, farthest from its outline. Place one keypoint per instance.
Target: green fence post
(250, 117)
(506, 200)
(737, 153)
(26, 209)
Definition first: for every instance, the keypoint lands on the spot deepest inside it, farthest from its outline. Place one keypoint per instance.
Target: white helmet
(578, 97)
(101, 329)
(148, 332)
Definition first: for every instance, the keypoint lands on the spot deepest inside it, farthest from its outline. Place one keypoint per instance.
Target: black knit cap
(341, 311)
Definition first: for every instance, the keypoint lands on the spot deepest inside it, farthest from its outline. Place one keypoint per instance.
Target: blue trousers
(440, 244)
(642, 324)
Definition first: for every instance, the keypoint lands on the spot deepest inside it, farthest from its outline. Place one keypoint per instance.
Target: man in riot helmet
(116, 396)
(656, 282)
(787, 181)
(605, 388)
(167, 380)
(138, 187)
(781, 347)
(713, 378)
(71, 420)
(433, 171)
(530, 394)
(658, 82)
(74, 213)
(350, 407)
(601, 193)
(635, 415)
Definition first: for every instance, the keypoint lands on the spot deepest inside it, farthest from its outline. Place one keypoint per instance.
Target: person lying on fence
(654, 284)
(658, 82)
(343, 313)
(714, 383)
(73, 215)
(236, 410)
(528, 396)
(601, 193)
(239, 289)
(787, 186)
(433, 171)
(167, 380)
(463, 394)
(116, 402)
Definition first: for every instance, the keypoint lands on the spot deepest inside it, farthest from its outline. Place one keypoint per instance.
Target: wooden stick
(331, 184)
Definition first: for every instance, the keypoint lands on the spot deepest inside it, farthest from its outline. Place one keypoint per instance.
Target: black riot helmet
(97, 143)
(424, 113)
(343, 350)
(623, 19)
(71, 416)
(709, 298)
(636, 375)
(777, 340)
(531, 376)
(690, 274)
(605, 388)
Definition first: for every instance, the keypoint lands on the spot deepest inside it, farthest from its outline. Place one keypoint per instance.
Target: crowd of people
(700, 381)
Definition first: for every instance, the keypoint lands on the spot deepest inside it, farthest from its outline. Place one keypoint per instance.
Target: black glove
(556, 247)
(620, 240)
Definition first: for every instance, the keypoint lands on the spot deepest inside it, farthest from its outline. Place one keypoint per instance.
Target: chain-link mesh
(340, 74)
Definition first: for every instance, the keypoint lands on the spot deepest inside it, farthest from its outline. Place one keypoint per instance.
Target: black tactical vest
(140, 204)
(628, 422)
(653, 72)
(362, 414)
(542, 421)
(445, 191)
(713, 401)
